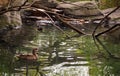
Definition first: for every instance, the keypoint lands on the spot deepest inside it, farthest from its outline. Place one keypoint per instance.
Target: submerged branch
(109, 53)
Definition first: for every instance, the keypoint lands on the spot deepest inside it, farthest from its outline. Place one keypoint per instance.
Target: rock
(14, 18)
(46, 3)
(81, 8)
(10, 17)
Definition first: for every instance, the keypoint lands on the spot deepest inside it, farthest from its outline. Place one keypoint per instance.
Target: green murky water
(60, 56)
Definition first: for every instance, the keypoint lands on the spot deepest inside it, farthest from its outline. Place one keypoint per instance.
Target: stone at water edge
(81, 8)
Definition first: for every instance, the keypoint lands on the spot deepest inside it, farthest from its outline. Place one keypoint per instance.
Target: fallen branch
(69, 25)
(54, 23)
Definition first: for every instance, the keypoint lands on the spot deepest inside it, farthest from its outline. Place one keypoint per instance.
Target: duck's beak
(37, 52)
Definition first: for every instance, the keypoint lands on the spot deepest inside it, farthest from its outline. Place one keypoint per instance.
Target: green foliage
(109, 3)
(88, 46)
(6, 61)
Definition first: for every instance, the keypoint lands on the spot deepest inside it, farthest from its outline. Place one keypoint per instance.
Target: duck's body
(27, 57)
(31, 57)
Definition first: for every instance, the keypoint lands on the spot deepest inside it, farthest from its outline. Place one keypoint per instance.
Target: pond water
(60, 56)
(64, 70)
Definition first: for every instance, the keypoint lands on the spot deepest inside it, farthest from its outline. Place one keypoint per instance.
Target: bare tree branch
(12, 8)
(93, 34)
(107, 30)
(72, 27)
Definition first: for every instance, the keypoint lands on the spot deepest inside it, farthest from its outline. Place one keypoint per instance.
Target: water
(61, 70)
(59, 56)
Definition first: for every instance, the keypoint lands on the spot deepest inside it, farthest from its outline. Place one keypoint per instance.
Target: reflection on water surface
(61, 70)
(75, 57)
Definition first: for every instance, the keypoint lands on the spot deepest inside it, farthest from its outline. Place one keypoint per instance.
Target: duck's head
(35, 51)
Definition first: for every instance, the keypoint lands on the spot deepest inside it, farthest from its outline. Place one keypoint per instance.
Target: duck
(29, 57)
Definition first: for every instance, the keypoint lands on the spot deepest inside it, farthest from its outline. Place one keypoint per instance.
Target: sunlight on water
(61, 70)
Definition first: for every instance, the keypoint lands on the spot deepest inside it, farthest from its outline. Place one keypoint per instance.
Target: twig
(22, 5)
